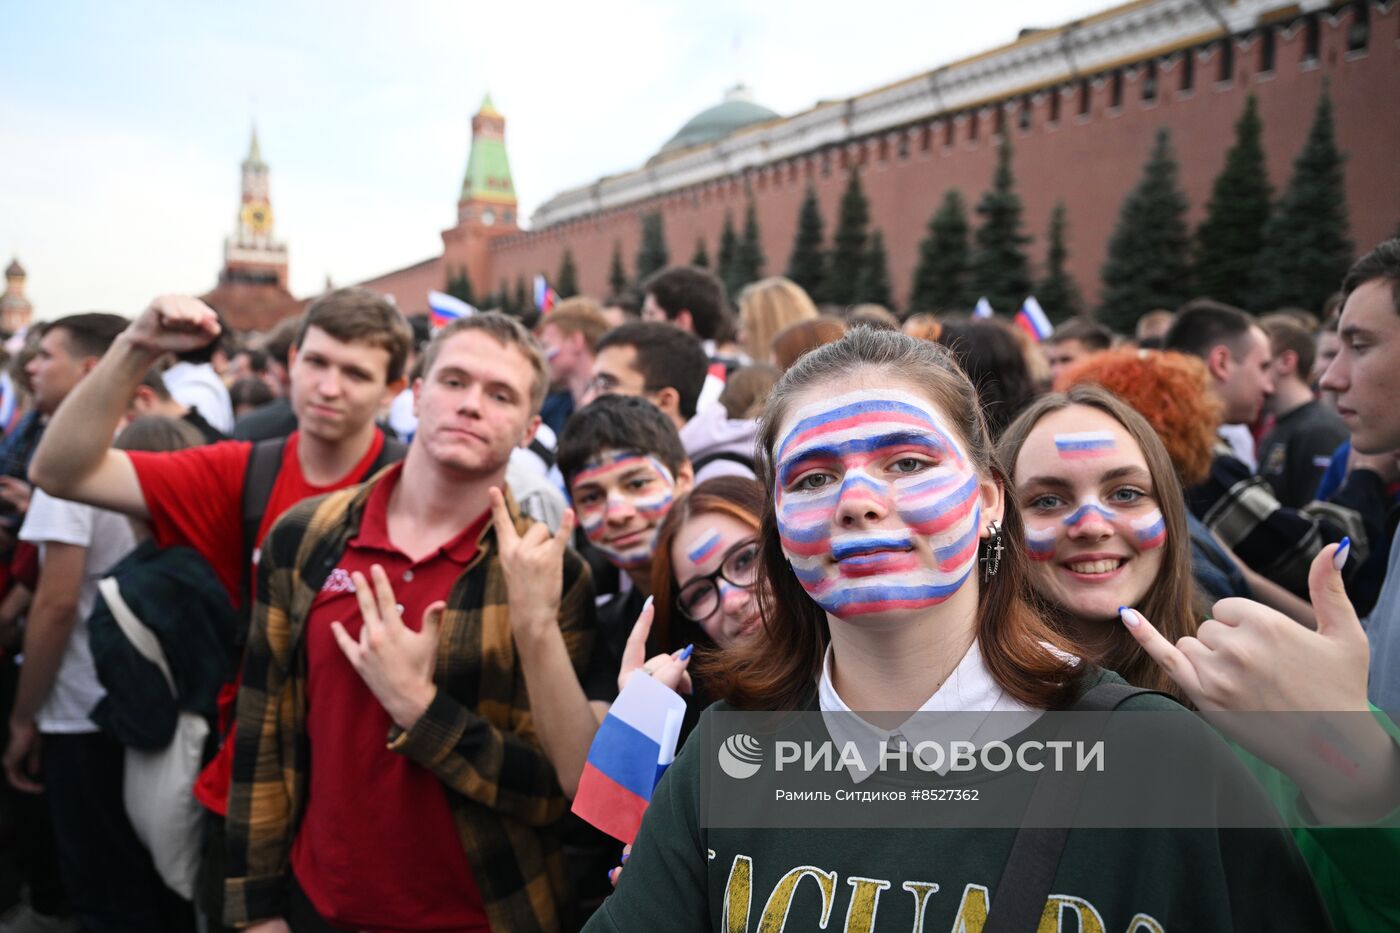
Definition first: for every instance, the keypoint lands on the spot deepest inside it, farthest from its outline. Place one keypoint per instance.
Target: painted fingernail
(625, 857)
(1339, 559)
(1129, 617)
(685, 652)
(647, 605)
(611, 872)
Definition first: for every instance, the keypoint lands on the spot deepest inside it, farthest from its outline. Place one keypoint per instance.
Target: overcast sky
(124, 123)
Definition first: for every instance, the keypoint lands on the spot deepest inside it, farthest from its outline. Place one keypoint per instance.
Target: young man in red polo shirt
(390, 771)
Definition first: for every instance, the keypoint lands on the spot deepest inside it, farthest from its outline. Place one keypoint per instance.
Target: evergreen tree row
(1249, 250)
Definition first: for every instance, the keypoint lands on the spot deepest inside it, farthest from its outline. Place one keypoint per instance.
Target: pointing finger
(565, 533)
(634, 655)
(1168, 657)
(500, 517)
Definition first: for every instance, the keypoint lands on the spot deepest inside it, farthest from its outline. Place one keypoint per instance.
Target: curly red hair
(1170, 390)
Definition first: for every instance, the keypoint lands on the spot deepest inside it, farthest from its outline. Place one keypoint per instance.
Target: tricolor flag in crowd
(446, 309)
(983, 309)
(544, 295)
(1031, 319)
(634, 745)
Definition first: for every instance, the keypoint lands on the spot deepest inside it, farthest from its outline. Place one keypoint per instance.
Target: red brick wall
(1089, 162)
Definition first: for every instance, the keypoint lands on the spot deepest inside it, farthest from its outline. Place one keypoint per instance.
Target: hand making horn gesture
(666, 669)
(533, 564)
(1249, 660)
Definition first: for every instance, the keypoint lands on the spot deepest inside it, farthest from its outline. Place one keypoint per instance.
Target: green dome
(737, 111)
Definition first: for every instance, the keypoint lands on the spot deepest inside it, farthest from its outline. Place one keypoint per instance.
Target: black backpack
(264, 463)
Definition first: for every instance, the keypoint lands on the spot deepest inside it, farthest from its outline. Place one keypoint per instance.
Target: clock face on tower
(488, 217)
(257, 216)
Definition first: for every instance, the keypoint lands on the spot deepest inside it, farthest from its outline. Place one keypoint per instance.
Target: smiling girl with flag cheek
(877, 506)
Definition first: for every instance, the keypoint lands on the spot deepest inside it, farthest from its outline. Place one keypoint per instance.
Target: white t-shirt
(197, 386)
(108, 537)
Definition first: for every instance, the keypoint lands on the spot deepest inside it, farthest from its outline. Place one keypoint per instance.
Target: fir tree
(748, 261)
(522, 305)
(701, 257)
(874, 283)
(1058, 295)
(566, 284)
(1229, 239)
(728, 255)
(1148, 263)
(460, 287)
(652, 256)
(617, 272)
(1000, 269)
(807, 264)
(848, 251)
(1307, 247)
(941, 279)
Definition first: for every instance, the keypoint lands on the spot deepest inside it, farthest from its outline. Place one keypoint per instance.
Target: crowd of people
(397, 576)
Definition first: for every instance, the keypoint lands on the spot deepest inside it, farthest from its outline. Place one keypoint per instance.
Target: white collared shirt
(969, 689)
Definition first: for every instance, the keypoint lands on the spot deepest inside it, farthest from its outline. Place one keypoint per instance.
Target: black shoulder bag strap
(1035, 855)
(264, 463)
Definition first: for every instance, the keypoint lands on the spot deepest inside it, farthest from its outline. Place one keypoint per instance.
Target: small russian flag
(446, 309)
(635, 744)
(1031, 319)
(544, 295)
(983, 309)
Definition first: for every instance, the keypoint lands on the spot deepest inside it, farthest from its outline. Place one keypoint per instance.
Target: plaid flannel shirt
(1280, 542)
(477, 737)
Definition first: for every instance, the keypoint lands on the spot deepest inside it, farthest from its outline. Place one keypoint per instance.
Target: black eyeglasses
(700, 598)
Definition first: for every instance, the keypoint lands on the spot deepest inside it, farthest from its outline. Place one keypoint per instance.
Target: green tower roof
(488, 168)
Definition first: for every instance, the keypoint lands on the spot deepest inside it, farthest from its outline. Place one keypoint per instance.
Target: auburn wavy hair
(1171, 390)
(779, 667)
(1172, 603)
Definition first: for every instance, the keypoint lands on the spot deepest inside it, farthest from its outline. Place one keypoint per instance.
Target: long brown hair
(738, 497)
(1171, 604)
(778, 668)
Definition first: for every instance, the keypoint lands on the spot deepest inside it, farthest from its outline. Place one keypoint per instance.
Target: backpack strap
(1035, 854)
(264, 463)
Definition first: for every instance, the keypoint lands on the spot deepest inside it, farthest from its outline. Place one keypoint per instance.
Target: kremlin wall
(1082, 103)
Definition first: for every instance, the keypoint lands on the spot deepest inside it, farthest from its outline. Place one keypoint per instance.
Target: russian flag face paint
(621, 498)
(885, 458)
(1150, 530)
(1040, 542)
(1092, 508)
(1085, 445)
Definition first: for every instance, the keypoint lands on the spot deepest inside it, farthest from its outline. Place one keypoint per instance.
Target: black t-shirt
(1294, 455)
(615, 620)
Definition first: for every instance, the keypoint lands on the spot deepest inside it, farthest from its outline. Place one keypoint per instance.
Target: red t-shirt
(377, 848)
(195, 498)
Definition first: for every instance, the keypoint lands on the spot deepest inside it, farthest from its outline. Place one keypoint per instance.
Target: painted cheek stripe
(1085, 445)
(1040, 545)
(945, 512)
(1150, 530)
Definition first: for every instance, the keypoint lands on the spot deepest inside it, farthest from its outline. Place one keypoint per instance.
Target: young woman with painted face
(706, 566)
(881, 491)
(1106, 528)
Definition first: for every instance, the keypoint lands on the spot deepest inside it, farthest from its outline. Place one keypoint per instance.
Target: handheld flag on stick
(983, 309)
(634, 746)
(1031, 319)
(446, 309)
(544, 295)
